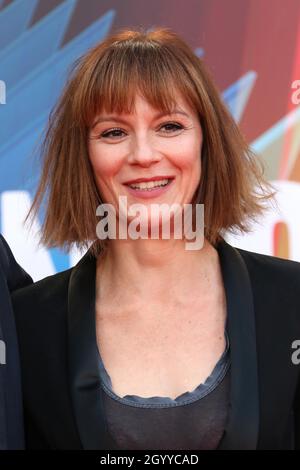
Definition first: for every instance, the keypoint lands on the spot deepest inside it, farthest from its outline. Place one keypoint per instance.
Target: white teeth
(149, 185)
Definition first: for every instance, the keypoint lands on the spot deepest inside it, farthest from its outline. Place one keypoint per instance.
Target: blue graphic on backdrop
(34, 70)
(14, 20)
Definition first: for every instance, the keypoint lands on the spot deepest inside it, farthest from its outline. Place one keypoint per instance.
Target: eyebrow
(116, 117)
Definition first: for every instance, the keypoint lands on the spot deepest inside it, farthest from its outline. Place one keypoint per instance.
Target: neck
(154, 269)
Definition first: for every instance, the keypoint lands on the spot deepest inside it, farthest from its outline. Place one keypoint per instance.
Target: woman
(145, 344)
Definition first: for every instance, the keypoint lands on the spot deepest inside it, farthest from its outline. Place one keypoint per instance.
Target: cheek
(189, 158)
(102, 162)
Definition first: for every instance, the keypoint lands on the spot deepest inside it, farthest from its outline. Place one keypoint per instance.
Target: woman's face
(145, 145)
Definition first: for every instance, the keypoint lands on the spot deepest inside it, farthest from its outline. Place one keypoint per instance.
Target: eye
(173, 127)
(112, 133)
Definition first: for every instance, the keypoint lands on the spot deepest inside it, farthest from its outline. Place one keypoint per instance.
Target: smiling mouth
(151, 185)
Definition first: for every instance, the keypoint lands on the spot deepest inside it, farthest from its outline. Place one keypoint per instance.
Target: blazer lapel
(86, 390)
(243, 422)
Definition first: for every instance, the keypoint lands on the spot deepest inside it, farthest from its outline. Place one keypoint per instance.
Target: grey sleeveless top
(193, 420)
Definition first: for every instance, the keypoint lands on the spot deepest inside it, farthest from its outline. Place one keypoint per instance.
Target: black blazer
(12, 276)
(55, 320)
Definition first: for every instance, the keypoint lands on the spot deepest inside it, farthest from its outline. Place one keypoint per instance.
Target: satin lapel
(85, 384)
(243, 423)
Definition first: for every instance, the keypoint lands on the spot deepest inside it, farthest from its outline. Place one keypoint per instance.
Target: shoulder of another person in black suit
(13, 273)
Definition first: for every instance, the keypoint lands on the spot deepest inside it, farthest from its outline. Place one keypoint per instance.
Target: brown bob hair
(106, 78)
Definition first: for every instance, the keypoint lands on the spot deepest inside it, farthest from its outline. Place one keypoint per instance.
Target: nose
(143, 152)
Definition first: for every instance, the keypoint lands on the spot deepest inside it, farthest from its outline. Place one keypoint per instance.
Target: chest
(155, 351)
